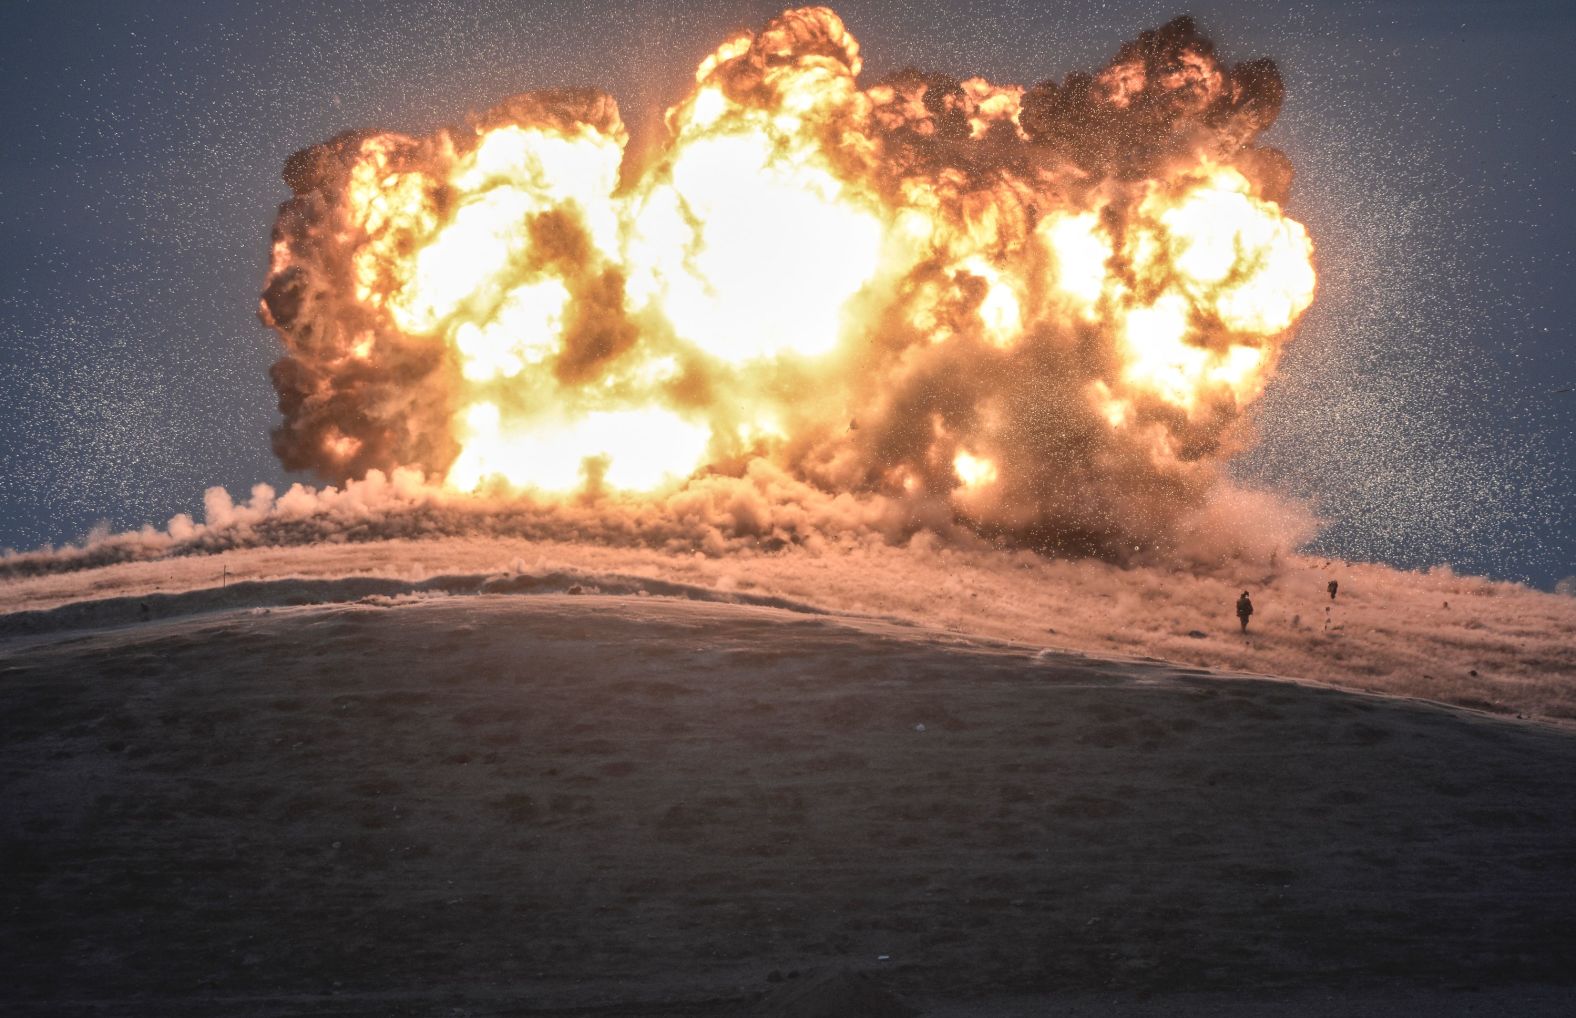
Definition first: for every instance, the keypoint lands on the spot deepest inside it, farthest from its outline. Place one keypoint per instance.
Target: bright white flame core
(633, 450)
(749, 257)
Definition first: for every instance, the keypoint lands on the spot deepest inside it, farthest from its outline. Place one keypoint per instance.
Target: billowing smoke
(1039, 313)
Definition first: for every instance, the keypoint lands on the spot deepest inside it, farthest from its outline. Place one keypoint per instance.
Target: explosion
(1041, 311)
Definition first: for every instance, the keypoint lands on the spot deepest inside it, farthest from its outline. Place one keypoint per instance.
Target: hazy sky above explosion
(1433, 145)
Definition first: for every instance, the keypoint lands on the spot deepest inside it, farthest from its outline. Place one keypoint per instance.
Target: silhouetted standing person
(1244, 609)
(1332, 588)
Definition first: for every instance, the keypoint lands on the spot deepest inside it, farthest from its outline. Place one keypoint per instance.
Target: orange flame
(785, 261)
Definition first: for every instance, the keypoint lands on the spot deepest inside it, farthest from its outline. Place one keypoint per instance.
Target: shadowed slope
(529, 803)
(381, 591)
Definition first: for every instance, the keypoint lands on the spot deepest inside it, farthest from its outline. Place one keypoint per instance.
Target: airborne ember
(1040, 310)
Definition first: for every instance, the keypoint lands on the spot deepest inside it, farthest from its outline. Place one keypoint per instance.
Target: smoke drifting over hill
(1037, 313)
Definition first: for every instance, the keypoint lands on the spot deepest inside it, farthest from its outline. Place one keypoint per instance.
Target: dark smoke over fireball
(1042, 311)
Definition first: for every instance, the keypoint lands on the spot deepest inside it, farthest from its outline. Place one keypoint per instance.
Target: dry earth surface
(1495, 646)
(650, 801)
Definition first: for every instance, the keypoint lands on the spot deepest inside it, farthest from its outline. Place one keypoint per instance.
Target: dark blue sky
(1434, 144)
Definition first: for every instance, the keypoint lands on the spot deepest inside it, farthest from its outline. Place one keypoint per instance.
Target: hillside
(1493, 646)
(656, 801)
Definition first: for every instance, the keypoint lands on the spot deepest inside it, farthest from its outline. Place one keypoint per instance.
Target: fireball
(991, 295)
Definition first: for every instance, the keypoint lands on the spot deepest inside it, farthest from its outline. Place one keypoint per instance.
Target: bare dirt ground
(1494, 646)
(609, 805)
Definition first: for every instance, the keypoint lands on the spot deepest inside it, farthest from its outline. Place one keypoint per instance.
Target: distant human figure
(1244, 609)
(1332, 588)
